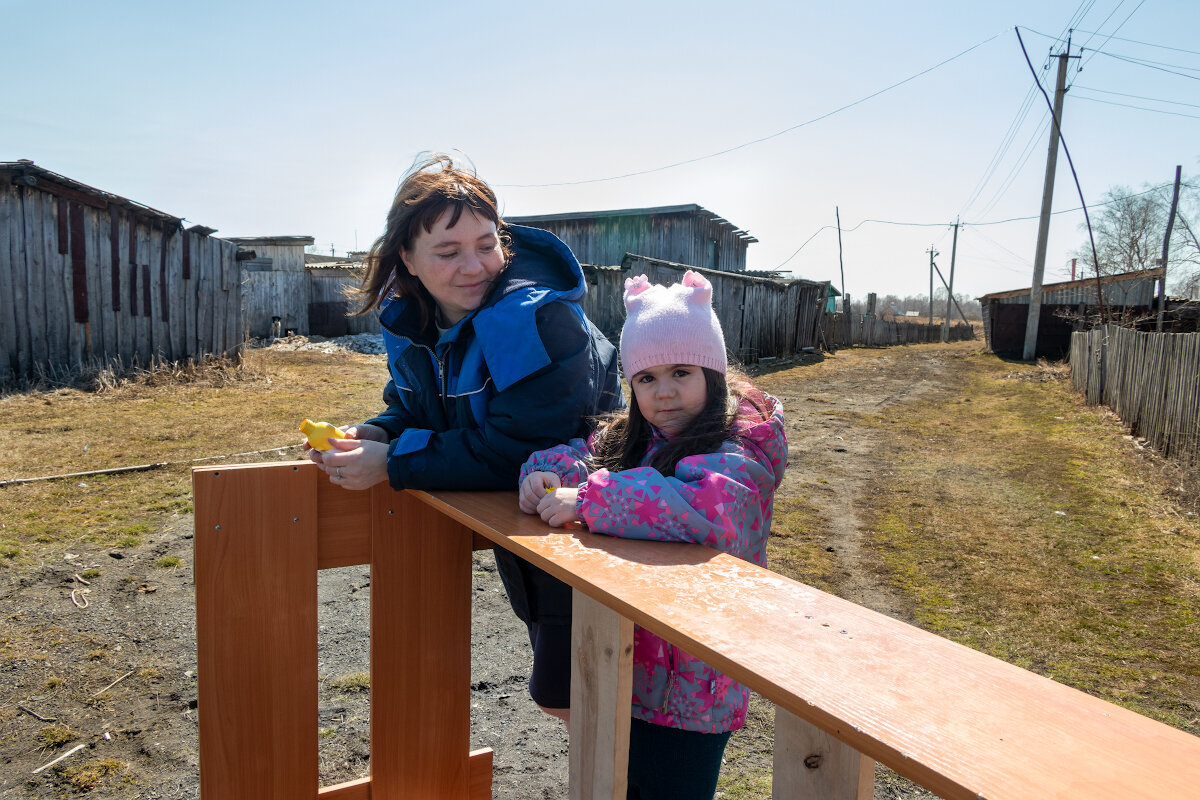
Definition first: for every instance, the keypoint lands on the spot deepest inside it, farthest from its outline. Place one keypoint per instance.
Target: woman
(491, 358)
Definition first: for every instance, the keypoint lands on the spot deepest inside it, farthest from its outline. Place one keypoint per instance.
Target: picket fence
(1150, 380)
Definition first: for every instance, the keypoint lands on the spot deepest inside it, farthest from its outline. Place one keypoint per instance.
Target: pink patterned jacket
(722, 500)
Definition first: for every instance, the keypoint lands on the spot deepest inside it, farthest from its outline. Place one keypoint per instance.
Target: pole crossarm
(959, 722)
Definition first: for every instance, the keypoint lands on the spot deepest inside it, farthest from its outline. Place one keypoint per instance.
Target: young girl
(695, 458)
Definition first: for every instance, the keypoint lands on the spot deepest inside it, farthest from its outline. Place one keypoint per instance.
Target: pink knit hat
(670, 325)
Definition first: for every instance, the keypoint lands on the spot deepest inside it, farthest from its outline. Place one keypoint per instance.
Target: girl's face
(456, 265)
(670, 396)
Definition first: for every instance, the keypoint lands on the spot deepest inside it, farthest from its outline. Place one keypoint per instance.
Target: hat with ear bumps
(672, 324)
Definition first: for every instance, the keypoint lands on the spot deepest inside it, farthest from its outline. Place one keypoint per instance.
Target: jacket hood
(540, 259)
(760, 421)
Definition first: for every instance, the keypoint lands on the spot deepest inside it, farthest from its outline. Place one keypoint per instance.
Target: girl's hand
(364, 432)
(355, 463)
(557, 508)
(533, 489)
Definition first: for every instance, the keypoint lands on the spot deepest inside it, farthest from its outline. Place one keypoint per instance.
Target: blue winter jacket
(524, 372)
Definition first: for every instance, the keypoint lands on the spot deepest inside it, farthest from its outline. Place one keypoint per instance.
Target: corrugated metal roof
(1126, 289)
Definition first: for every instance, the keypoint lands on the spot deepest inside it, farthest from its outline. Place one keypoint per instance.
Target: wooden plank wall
(266, 294)
(1150, 380)
(760, 317)
(330, 285)
(682, 237)
(85, 281)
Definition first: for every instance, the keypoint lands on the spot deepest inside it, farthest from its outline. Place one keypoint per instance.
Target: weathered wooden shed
(686, 234)
(86, 275)
(275, 283)
(1005, 314)
(302, 292)
(760, 317)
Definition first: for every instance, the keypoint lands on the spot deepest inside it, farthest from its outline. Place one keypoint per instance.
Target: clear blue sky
(269, 118)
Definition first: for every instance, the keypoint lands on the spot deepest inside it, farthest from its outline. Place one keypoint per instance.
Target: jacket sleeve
(567, 461)
(396, 418)
(714, 499)
(548, 407)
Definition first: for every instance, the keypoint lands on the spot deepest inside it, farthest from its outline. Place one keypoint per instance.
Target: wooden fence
(760, 317)
(845, 330)
(1150, 380)
(89, 277)
(850, 686)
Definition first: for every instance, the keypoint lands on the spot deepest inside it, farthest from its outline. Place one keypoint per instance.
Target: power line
(1140, 108)
(1144, 44)
(1150, 65)
(1082, 62)
(1136, 96)
(759, 140)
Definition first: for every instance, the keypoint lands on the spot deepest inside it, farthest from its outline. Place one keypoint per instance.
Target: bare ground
(138, 626)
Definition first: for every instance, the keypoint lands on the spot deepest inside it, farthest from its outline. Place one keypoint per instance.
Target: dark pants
(673, 764)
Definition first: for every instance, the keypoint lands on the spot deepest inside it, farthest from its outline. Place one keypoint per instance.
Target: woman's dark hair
(621, 440)
(433, 186)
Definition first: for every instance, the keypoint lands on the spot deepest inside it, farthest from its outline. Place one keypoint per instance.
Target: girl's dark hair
(621, 440)
(431, 187)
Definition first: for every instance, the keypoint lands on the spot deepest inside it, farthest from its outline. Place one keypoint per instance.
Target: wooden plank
(105, 329)
(601, 693)
(350, 790)
(809, 763)
(480, 782)
(233, 320)
(344, 520)
(950, 718)
(177, 319)
(35, 279)
(189, 244)
(59, 324)
(145, 343)
(204, 286)
(256, 631)
(420, 649)
(126, 332)
(9, 251)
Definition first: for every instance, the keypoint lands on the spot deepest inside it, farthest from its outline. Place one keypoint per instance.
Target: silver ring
(339, 473)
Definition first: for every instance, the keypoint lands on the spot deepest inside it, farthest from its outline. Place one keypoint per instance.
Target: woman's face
(458, 265)
(670, 396)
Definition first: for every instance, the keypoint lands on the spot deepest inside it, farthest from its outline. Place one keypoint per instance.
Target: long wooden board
(959, 722)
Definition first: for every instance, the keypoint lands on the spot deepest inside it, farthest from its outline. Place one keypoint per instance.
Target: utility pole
(932, 254)
(841, 266)
(950, 288)
(1162, 286)
(1039, 258)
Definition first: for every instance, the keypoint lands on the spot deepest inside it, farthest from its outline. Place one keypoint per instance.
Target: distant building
(1005, 314)
(686, 234)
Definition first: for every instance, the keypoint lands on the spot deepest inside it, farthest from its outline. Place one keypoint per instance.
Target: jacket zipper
(670, 679)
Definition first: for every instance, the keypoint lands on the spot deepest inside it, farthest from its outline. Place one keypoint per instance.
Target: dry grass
(1023, 524)
(189, 413)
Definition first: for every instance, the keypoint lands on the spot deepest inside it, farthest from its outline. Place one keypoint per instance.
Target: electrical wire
(1150, 65)
(760, 140)
(1084, 62)
(1140, 108)
(1136, 96)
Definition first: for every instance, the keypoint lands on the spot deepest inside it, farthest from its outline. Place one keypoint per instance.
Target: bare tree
(1129, 235)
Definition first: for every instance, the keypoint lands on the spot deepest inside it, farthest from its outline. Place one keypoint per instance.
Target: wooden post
(601, 693)
(420, 649)
(809, 763)
(256, 632)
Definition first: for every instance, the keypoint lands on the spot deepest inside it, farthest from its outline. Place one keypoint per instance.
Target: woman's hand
(355, 463)
(364, 432)
(557, 508)
(534, 488)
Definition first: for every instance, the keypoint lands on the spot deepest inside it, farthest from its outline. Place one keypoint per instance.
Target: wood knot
(813, 761)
